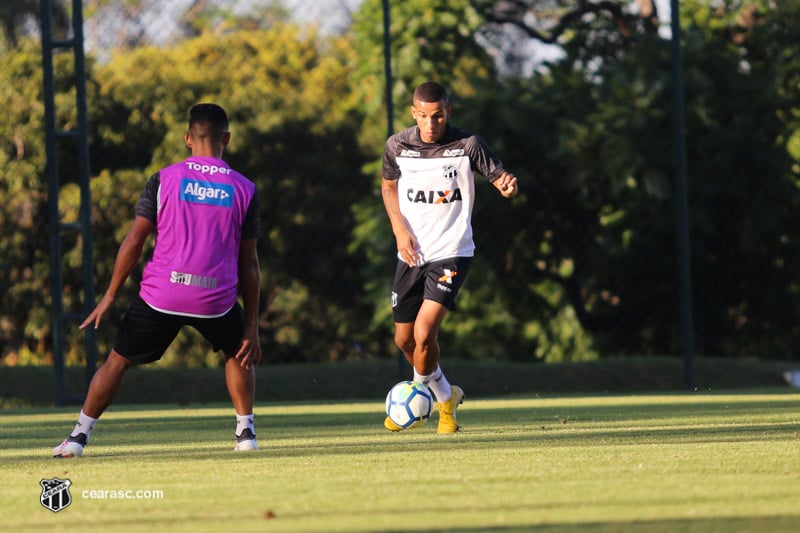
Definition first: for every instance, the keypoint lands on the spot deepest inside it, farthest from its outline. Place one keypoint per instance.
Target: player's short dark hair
(209, 117)
(430, 91)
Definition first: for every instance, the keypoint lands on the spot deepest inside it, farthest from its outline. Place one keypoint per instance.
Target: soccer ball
(409, 404)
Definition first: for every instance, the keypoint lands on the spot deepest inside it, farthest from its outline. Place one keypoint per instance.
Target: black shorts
(438, 281)
(145, 334)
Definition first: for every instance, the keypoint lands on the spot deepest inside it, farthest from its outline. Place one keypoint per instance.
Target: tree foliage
(581, 264)
(293, 133)
(599, 219)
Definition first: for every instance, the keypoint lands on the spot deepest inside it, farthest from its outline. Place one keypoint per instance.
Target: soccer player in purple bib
(205, 217)
(428, 191)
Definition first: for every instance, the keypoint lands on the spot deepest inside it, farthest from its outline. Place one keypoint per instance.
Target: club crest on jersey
(434, 197)
(55, 494)
(450, 172)
(206, 192)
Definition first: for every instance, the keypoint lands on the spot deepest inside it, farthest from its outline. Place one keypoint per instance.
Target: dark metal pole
(387, 67)
(387, 71)
(51, 170)
(86, 197)
(681, 203)
(80, 135)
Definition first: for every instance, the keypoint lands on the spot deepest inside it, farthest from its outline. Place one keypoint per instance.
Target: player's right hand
(407, 249)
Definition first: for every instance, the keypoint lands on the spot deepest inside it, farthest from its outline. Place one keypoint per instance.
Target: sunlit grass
(678, 462)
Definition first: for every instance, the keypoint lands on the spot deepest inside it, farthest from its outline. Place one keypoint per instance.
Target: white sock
(84, 425)
(245, 422)
(436, 382)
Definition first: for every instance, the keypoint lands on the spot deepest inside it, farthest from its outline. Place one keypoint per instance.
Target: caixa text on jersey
(434, 197)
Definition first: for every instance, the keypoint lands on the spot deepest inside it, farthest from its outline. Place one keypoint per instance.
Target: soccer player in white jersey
(428, 190)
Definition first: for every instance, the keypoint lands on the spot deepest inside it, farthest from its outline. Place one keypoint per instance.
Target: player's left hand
(507, 185)
(96, 316)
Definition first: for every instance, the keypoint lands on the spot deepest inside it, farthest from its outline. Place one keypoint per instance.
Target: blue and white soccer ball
(409, 404)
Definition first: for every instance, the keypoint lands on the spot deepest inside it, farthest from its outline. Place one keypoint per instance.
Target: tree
(294, 128)
(581, 263)
(511, 25)
(430, 40)
(24, 282)
(14, 14)
(589, 247)
(601, 224)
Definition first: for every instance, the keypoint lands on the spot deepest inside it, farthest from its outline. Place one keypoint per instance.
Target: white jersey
(436, 187)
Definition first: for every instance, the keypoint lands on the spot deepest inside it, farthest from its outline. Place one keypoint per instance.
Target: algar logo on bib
(206, 192)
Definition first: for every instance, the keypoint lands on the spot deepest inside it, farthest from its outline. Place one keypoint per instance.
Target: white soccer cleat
(246, 446)
(246, 442)
(71, 447)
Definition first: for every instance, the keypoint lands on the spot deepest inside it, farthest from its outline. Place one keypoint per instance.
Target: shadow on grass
(772, 524)
(345, 432)
(35, 386)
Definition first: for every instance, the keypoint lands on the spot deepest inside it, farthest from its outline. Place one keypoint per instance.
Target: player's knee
(118, 362)
(404, 343)
(425, 339)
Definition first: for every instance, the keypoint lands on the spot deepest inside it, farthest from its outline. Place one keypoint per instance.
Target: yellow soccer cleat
(447, 411)
(391, 426)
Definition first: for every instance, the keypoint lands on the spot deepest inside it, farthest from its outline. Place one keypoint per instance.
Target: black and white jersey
(436, 187)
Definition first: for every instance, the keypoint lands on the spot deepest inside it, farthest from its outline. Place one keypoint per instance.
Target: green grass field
(667, 462)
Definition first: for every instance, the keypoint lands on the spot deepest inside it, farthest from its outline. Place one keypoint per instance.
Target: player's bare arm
(407, 245)
(249, 353)
(127, 258)
(506, 183)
